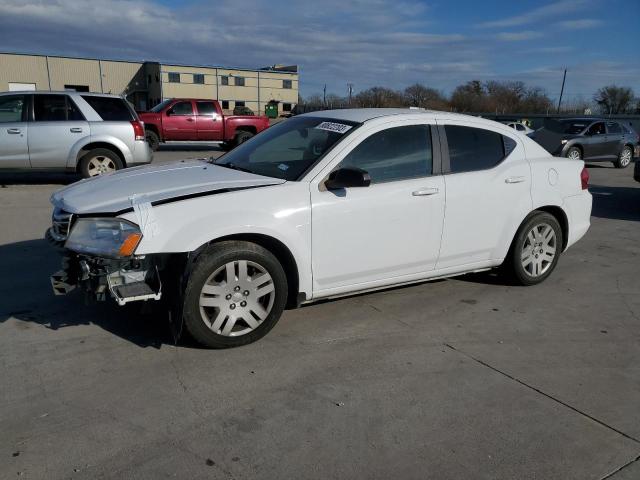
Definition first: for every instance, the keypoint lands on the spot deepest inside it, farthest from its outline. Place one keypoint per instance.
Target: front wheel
(624, 159)
(536, 249)
(235, 294)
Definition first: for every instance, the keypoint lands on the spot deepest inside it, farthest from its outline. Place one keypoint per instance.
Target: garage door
(19, 87)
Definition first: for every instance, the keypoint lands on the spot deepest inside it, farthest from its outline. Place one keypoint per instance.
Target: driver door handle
(514, 179)
(75, 130)
(425, 191)
(13, 131)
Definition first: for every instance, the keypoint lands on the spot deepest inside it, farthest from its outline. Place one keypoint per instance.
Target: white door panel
(371, 233)
(484, 209)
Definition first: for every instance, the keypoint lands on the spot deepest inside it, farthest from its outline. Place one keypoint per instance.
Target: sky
(368, 43)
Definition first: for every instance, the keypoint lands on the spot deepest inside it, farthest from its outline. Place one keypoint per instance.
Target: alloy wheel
(539, 250)
(625, 157)
(574, 155)
(101, 164)
(237, 298)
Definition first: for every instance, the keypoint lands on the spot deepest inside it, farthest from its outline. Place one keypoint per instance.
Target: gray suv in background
(80, 132)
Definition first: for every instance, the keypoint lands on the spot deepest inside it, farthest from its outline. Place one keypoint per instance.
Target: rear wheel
(98, 162)
(624, 159)
(152, 139)
(235, 294)
(536, 249)
(574, 153)
(242, 136)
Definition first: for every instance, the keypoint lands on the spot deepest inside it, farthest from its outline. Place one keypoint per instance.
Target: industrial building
(146, 83)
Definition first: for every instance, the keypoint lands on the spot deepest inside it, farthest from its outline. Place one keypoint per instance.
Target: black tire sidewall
(210, 260)
(84, 161)
(152, 139)
(242, 137)
(519, 273)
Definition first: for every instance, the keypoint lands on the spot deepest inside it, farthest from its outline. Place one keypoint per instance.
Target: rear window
(110, 109)
(613, 127)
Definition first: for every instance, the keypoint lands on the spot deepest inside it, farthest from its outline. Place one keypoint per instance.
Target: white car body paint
(369, 237)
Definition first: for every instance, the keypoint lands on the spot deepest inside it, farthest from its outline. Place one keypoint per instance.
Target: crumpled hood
(112, 192)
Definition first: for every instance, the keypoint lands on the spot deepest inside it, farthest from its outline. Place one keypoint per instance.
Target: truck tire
(98, 162)
(152, 139)
(242, 136)
(235, 294)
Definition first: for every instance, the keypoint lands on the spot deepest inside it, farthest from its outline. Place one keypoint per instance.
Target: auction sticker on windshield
(334, 127)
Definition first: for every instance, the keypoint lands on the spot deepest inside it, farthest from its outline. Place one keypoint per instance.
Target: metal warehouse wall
(23, 69)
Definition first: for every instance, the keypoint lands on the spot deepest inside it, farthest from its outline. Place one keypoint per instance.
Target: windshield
(158, 108)
(288, 149)
(573, 127)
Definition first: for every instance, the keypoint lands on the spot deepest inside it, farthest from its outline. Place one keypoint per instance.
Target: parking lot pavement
(460, 378)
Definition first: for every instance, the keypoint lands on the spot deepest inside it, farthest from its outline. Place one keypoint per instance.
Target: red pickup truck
(194, 120)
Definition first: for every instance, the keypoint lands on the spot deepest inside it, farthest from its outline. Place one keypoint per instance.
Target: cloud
(536, 15)
(518, 36)
(580, 24)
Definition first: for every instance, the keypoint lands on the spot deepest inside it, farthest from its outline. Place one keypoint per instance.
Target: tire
(152, 139)
(99, 161)
(242, 136)
(208, 299)
(527, 266)
(574, 153)
(624, 159)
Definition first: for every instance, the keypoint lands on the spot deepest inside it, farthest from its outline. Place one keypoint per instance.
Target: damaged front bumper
(124, 280)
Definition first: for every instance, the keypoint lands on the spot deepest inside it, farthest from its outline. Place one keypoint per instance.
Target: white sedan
(322, 205)
(520, 127)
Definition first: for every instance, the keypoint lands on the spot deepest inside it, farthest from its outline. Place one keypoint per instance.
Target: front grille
(61, 221)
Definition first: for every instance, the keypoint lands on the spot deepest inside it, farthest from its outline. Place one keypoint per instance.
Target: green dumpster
(271, 110)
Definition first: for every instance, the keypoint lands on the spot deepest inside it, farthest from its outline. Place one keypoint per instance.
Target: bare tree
(470, 97)
(418, 95)
(614, 99)
(378, 97)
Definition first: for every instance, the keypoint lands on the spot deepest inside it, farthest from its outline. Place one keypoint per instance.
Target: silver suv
(80, 132)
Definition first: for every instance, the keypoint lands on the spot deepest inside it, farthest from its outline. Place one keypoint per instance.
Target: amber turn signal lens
(129, 245)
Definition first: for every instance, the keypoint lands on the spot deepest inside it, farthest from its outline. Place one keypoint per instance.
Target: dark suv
(589, 139)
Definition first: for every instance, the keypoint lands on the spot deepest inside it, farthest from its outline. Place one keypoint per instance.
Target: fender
(72, 159)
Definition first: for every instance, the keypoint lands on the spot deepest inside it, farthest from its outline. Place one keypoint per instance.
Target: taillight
(138, 129)
(584, 178)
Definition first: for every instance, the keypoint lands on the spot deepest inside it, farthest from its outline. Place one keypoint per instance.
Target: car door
(180, 122)
(488, 183)
(14, 148)
(56, 127)
(594, 144)
(614, 140)
(209, 122)
(388, 232)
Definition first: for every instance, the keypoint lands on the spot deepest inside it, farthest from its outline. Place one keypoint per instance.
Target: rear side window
(398, 153)
(472, 149)
(110, 109)
(11, 107)
(55, 108)
(613, 127)
(206, 108)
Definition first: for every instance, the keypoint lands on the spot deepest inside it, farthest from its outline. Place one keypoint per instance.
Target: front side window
(198, 78)
(11, 108)
(54, 108)
(174, 77)
(288, 149)
(206, 108)
(161, 106)
(596, 129)
(472, 149)
(182, 108)
(397, 153)
(239, 81)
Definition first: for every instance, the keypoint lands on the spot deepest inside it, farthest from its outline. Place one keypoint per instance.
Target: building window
(174, 77)
(225, 103)
(157, 78)
(224, 80)
(149, 79)
(198, 78)
(286, 107)
(239, 103)
(287, 84)
(77, 88)
(239, 81)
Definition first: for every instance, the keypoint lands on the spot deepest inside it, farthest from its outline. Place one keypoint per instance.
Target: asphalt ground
(467, 378)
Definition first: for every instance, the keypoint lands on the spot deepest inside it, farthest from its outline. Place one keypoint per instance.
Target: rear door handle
(14, 131)
(424, 192)
(189, 119)
(75, 130)
(514, 180)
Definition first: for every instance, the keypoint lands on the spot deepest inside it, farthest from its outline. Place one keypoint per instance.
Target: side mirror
(347, 177)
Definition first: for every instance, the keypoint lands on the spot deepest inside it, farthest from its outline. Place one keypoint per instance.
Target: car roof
(60, 92)
(362, 115)
(582, 119)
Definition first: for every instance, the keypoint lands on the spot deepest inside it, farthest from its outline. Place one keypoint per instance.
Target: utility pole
(324, 95)
(562, 89)
(350, 89)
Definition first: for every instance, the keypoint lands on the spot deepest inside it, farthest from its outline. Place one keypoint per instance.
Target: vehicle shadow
(38, 178)
(191, 148)
(27, 297)
(616, 203)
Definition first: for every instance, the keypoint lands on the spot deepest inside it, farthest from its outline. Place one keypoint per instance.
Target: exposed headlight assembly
(105, 237)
